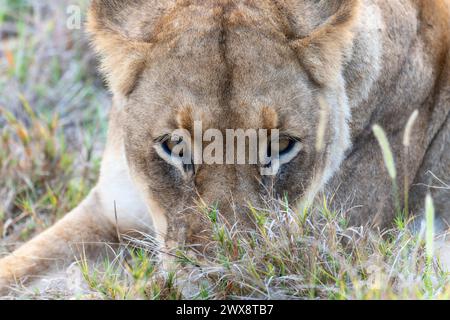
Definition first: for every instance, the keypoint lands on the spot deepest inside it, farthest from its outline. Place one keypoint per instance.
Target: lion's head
(227, 64)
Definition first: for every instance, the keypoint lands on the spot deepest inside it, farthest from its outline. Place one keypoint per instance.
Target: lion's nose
(230, 190)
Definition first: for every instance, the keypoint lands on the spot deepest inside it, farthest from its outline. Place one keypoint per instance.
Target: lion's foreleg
(81, 231)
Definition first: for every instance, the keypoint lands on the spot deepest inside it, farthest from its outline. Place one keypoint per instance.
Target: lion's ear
(121, 31)
(327, 37)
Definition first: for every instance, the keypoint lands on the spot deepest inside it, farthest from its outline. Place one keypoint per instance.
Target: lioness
(327, 69)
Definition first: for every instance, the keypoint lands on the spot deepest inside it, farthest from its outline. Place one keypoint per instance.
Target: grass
(291, 255)
(52, 118)
(52, 129)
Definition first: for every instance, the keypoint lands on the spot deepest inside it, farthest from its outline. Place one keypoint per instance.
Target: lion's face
(224, 65)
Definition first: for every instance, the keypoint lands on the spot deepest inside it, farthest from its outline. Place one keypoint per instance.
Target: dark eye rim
(165, 147)
(164, 141)
(292, 142)
(289, 147)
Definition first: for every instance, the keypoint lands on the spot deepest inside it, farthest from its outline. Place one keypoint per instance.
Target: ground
(53, 118)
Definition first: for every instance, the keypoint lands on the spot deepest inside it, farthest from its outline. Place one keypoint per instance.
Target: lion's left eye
(286, 145)
(281, 152)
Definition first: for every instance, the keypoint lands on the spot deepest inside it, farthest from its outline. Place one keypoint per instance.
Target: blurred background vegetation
(53, 110)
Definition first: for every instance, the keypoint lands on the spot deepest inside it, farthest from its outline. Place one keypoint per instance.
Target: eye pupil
(170, 144)
(172, 150)
(285, 145)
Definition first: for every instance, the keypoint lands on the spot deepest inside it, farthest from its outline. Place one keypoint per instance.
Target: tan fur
(316, 70)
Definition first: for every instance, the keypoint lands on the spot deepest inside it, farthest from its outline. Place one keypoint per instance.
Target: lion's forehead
(197, 42)
(226, 61)
(226, 80)
(199, 16)
(229, 91)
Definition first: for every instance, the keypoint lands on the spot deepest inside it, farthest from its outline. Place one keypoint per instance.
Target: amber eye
(286, 145)
(169, 144)
(175, 151)
(288, 149)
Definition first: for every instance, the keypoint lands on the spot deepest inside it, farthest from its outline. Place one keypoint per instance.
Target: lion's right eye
(170, 147)
(175, 151)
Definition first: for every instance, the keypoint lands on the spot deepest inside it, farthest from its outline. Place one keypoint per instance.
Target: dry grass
(52, 128)
(292, 255)
(52, 118)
